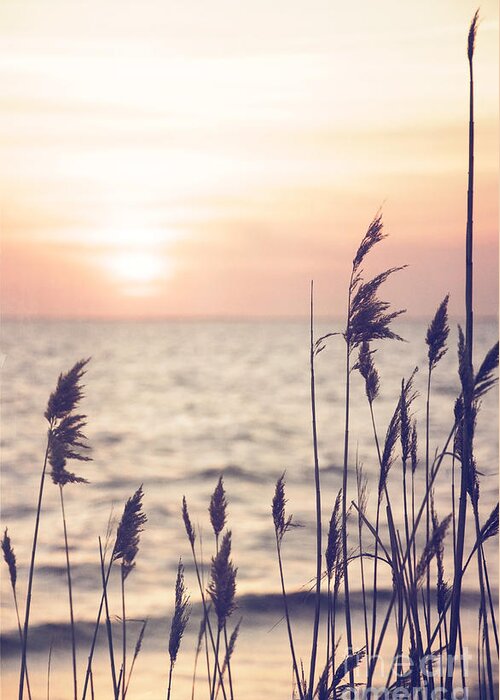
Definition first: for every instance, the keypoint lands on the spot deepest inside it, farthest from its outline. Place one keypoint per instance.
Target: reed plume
(222, 590)
(368, 371)
(126, 548)
(388, 457)
(137, 651)
(437, 334)
(431, 548)
(368, 318)
(179, 622)
(333, 559)
(10, 559)
(67, 441)
(231, 646)
(217, 509)
(485, 379)
(282, 523)
(128, 531)
(62, 402)
(222, 586)
(191, 535)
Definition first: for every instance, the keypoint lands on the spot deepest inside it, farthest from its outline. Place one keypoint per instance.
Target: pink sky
(167, 158)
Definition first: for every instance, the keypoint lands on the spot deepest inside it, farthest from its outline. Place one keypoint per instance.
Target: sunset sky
(186, 158)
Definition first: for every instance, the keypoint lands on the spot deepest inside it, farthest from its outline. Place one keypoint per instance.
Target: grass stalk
(124, 632)
(70, 595)
(109, 629)
(317, 609)
(287, 618)
(32, 569)
(467, 437)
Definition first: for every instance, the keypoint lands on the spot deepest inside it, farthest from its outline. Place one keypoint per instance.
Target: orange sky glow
(169, 158)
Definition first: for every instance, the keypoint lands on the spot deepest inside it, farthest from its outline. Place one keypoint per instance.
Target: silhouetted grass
(426, 597)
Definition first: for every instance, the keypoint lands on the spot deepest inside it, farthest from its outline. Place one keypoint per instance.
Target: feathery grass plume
(62, 401)
(129, 529)
(442, 586)
(201, 635)
(222, 586)
(181, 614)
(431, 548)
(231, 646)
(408, 396)
(187, 522)
(217, 508)
(437, 334)
(137, 651)
(368, 371)
(471, 39)
(414, 447)
(282, 523)
(369, 318)
(387, 459)
(367, 315)
(126, 548)
(9, 557)
(334, 543)
(484, 379)
(67, 394)
(347, 666)
(471, 475)
(281, 526)
(65, 442)
(373, 235)
(490, 527)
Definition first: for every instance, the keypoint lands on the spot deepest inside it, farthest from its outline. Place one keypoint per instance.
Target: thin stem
(229, 674)
(377, 523)
(49, 663)
(317, 610)
(170, 679)
(467, 439)
(32, 570)
(427, 498)
(216, 664)
(88, 673)
(124, 634)
(70, 595)
(484, 611)
(209, 626)
(363, 588)
(287, 617)
(108, 624)
(16, 607)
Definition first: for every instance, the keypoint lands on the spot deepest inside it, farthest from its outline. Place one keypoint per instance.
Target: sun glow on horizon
(138, 268)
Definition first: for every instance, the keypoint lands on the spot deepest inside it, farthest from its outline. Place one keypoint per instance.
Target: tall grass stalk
(31, 573)
(362, 484)
(137, 650)
(317, 609)
(61, 403)
(10, 559)
(109, 628)
(282, 524)
(70, 596)
(467, 447)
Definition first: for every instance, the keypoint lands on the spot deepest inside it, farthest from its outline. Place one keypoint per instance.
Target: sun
(137, 270)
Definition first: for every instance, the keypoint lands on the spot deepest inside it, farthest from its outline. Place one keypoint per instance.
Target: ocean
(173, 405)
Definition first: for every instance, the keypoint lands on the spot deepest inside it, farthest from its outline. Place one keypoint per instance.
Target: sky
(188, 159)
